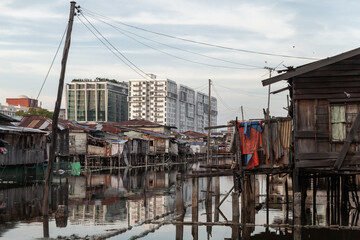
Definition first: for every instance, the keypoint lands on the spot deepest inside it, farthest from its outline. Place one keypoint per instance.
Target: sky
(30, 33)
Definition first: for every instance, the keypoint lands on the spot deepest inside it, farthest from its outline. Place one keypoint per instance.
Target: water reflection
(144, 199)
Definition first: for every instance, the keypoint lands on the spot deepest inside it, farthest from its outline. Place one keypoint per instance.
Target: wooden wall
(313, 94)
(23, 149)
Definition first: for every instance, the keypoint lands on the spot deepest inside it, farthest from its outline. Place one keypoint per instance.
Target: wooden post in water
(344, 201)
(236, 215)
(179, 207)
(217, 198)
(45, 206)
(328, 201)
(314, 200)
(195, 208)
(297, 204)
(267, 199)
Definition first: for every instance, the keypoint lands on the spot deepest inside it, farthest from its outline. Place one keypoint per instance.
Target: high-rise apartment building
(163, 102)
(202, 109)
(96, 101)
(186, 109)
(153, 99)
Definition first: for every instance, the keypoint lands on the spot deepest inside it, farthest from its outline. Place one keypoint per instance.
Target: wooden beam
(312, 66)
(347, 142)
(280, 90)
(220, 126)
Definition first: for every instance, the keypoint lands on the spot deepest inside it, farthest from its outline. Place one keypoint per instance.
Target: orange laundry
(250, 143)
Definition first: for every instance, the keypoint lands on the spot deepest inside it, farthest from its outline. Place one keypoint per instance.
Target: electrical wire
(177, 48)
(131, 67)
(181, 58)
(52, 63)
(222, 100)
(209, 44)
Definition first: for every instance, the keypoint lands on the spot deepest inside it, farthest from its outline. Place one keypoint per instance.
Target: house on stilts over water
(325, 110)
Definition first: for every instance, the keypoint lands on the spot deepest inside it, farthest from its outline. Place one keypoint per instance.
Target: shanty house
(45, 124)
(325, 107)
(20, 145)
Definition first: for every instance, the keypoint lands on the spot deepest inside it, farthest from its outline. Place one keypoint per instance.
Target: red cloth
(250, 145)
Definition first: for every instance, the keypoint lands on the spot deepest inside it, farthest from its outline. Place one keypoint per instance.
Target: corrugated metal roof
(6, 128)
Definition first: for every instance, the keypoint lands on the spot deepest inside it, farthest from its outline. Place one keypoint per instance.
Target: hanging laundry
(250, 141)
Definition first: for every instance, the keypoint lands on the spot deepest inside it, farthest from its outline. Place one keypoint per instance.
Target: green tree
(35, 112)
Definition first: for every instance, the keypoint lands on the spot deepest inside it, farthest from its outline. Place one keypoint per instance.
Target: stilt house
(325, 108)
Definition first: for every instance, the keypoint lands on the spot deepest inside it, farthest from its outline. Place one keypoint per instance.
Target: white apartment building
(202, 109)
(153, 99)
(10, 110)
(163, 102)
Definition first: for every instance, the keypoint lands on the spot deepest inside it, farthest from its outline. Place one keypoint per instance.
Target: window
(338, 123)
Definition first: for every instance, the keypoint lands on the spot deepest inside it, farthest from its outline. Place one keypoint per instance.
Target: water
(103, 203)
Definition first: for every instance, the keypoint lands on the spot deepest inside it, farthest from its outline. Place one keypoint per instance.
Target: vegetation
(35, 112)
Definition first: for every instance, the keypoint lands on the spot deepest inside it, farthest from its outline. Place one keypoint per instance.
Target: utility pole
(45, 206)
(209, 110)
(267, 119)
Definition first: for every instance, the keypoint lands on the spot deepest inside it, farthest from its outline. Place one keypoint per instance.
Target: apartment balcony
(158, 111)
(137, 111)
(158, 116)
(136, 95)
(157, 95)
(137, 106)
(158, 85)
(137, 90)
(156, 105)
(137, 85)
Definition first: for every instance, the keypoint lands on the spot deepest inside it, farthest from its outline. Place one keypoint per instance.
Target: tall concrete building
(202, 109)
(153, 99)
(186, 109)
(164, 102)
(96, 101)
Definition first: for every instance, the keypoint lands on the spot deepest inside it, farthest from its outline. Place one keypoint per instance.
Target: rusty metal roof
(6, 128)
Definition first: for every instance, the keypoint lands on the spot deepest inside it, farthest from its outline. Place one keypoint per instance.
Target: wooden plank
(325, 96)
(328, 79)
(305, 115)
(317, 156)
(326, 90)
(220, 126)
(280, 90)
(347, 142)
(311, 134)
(318, 83)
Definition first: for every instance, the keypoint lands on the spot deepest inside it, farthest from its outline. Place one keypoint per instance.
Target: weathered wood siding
(96, 150)
(23, 149)
(77, 143)
(313, 95)
(62, 144)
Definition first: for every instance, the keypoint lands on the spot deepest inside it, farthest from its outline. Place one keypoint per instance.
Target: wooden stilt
(195, 208)
(314, 200)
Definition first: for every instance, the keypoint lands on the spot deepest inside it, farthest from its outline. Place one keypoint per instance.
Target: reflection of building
(96, 101)
(155, 205)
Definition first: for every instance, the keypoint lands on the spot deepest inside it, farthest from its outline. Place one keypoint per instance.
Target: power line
(177, 48)
(52, 63)
(209, 44)
(131, 65)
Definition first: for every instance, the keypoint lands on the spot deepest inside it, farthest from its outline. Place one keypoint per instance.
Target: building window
(338, 123)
